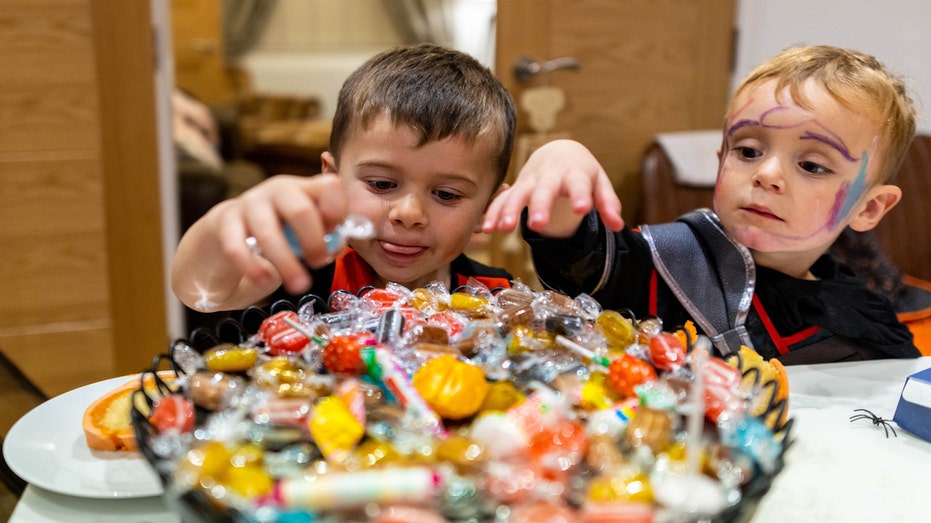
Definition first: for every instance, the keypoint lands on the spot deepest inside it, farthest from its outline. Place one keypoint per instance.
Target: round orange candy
(454, 389)
(626, 372)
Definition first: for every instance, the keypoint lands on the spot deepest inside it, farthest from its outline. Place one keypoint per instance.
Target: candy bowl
(370, 407)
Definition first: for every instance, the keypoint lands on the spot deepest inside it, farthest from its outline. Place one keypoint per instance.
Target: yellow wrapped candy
(629, 485)
(597, 394)
(454, 389)
(426, 301)
(618, 331)
(501, 396)
(228, 357)
(335, 430)
(467, 303)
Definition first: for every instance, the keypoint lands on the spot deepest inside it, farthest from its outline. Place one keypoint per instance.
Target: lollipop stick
(582, 351)
(695, 421)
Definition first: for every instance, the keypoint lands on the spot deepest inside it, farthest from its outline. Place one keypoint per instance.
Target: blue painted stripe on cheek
(851, 193)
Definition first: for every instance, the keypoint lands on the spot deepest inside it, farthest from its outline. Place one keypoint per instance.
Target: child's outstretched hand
(560, 183)
(216, 268)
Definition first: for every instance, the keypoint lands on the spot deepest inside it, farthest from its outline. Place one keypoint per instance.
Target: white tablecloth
(843, 471)
(836, 470)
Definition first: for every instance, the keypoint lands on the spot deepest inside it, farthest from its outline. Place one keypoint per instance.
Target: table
(836, 470)
(843, 471)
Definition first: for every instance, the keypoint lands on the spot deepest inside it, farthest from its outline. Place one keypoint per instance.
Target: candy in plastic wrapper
(214, 390)
(454, 389)
(228, 357)
(281, 338)
(519, 402)
(334, 428)
(352, 489)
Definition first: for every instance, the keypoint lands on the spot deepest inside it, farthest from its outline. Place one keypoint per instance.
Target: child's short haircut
(857, 81)
(438, 92)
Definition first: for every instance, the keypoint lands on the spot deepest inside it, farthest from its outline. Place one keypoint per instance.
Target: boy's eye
(446, 196)
(814, 168)
(382, 185)
(747, 153)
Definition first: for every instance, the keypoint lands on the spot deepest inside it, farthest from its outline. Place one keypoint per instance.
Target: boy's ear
(880, 200)
(328, 163)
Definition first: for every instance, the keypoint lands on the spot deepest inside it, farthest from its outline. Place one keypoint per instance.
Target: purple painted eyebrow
(839, 146)
(741, 124)
(835, 143)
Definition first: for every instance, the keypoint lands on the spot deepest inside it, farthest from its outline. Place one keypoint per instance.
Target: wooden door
(647, 66)
(197, 42)
(81, 276)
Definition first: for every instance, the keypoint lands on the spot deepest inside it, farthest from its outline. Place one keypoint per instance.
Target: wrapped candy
(342, 354)
(281, 338)
(214, 390)
(616, 329)
(453, 388)
(626, 372)
(353, 489)
(666, 351)
(173, 414)
(334, 428)
(227, 357)
(472, 405)
(385, 369)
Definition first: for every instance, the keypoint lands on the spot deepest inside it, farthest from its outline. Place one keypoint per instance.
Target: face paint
(849, 194)
(837, 144)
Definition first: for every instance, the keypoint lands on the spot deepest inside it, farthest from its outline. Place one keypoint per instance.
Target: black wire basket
(196, 505)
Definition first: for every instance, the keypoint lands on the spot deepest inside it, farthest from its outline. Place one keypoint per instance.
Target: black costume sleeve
(614, 268)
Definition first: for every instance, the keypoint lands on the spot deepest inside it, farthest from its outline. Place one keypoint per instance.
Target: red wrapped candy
(280, 338)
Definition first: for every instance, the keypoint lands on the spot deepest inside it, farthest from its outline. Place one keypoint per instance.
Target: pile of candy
(431, 405)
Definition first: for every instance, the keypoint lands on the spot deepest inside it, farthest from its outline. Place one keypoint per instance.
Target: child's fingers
(329, 195)
(503, 212)
(264, 224)
(579, 192)
(317, 209)
(242, 249)
(541, 201)
(608, 204)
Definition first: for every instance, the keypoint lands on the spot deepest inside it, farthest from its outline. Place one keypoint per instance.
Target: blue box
(914, 410)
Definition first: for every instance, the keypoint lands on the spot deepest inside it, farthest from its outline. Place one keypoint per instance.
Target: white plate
(46, 448)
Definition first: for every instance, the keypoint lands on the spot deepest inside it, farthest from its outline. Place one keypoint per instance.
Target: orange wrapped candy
(454, 389)
(626, 372)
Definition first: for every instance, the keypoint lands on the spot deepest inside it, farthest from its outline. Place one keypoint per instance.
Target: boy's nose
(769, 174)
(408, 210)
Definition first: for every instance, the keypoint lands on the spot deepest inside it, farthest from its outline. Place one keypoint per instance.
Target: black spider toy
(875, 419)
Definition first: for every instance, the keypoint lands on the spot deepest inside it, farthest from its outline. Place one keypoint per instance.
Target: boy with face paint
(811, 140)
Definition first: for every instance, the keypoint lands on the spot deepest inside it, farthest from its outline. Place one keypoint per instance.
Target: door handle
(526, 68)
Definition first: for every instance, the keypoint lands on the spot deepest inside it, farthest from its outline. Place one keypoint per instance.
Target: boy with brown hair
(811, 140)
(421, 141)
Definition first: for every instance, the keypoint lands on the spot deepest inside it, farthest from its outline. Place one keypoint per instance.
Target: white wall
(895, 31)
(311, 46)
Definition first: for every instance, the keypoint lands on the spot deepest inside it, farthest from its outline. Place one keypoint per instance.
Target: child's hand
(214, 262)
(310, 206)
(560, 183)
